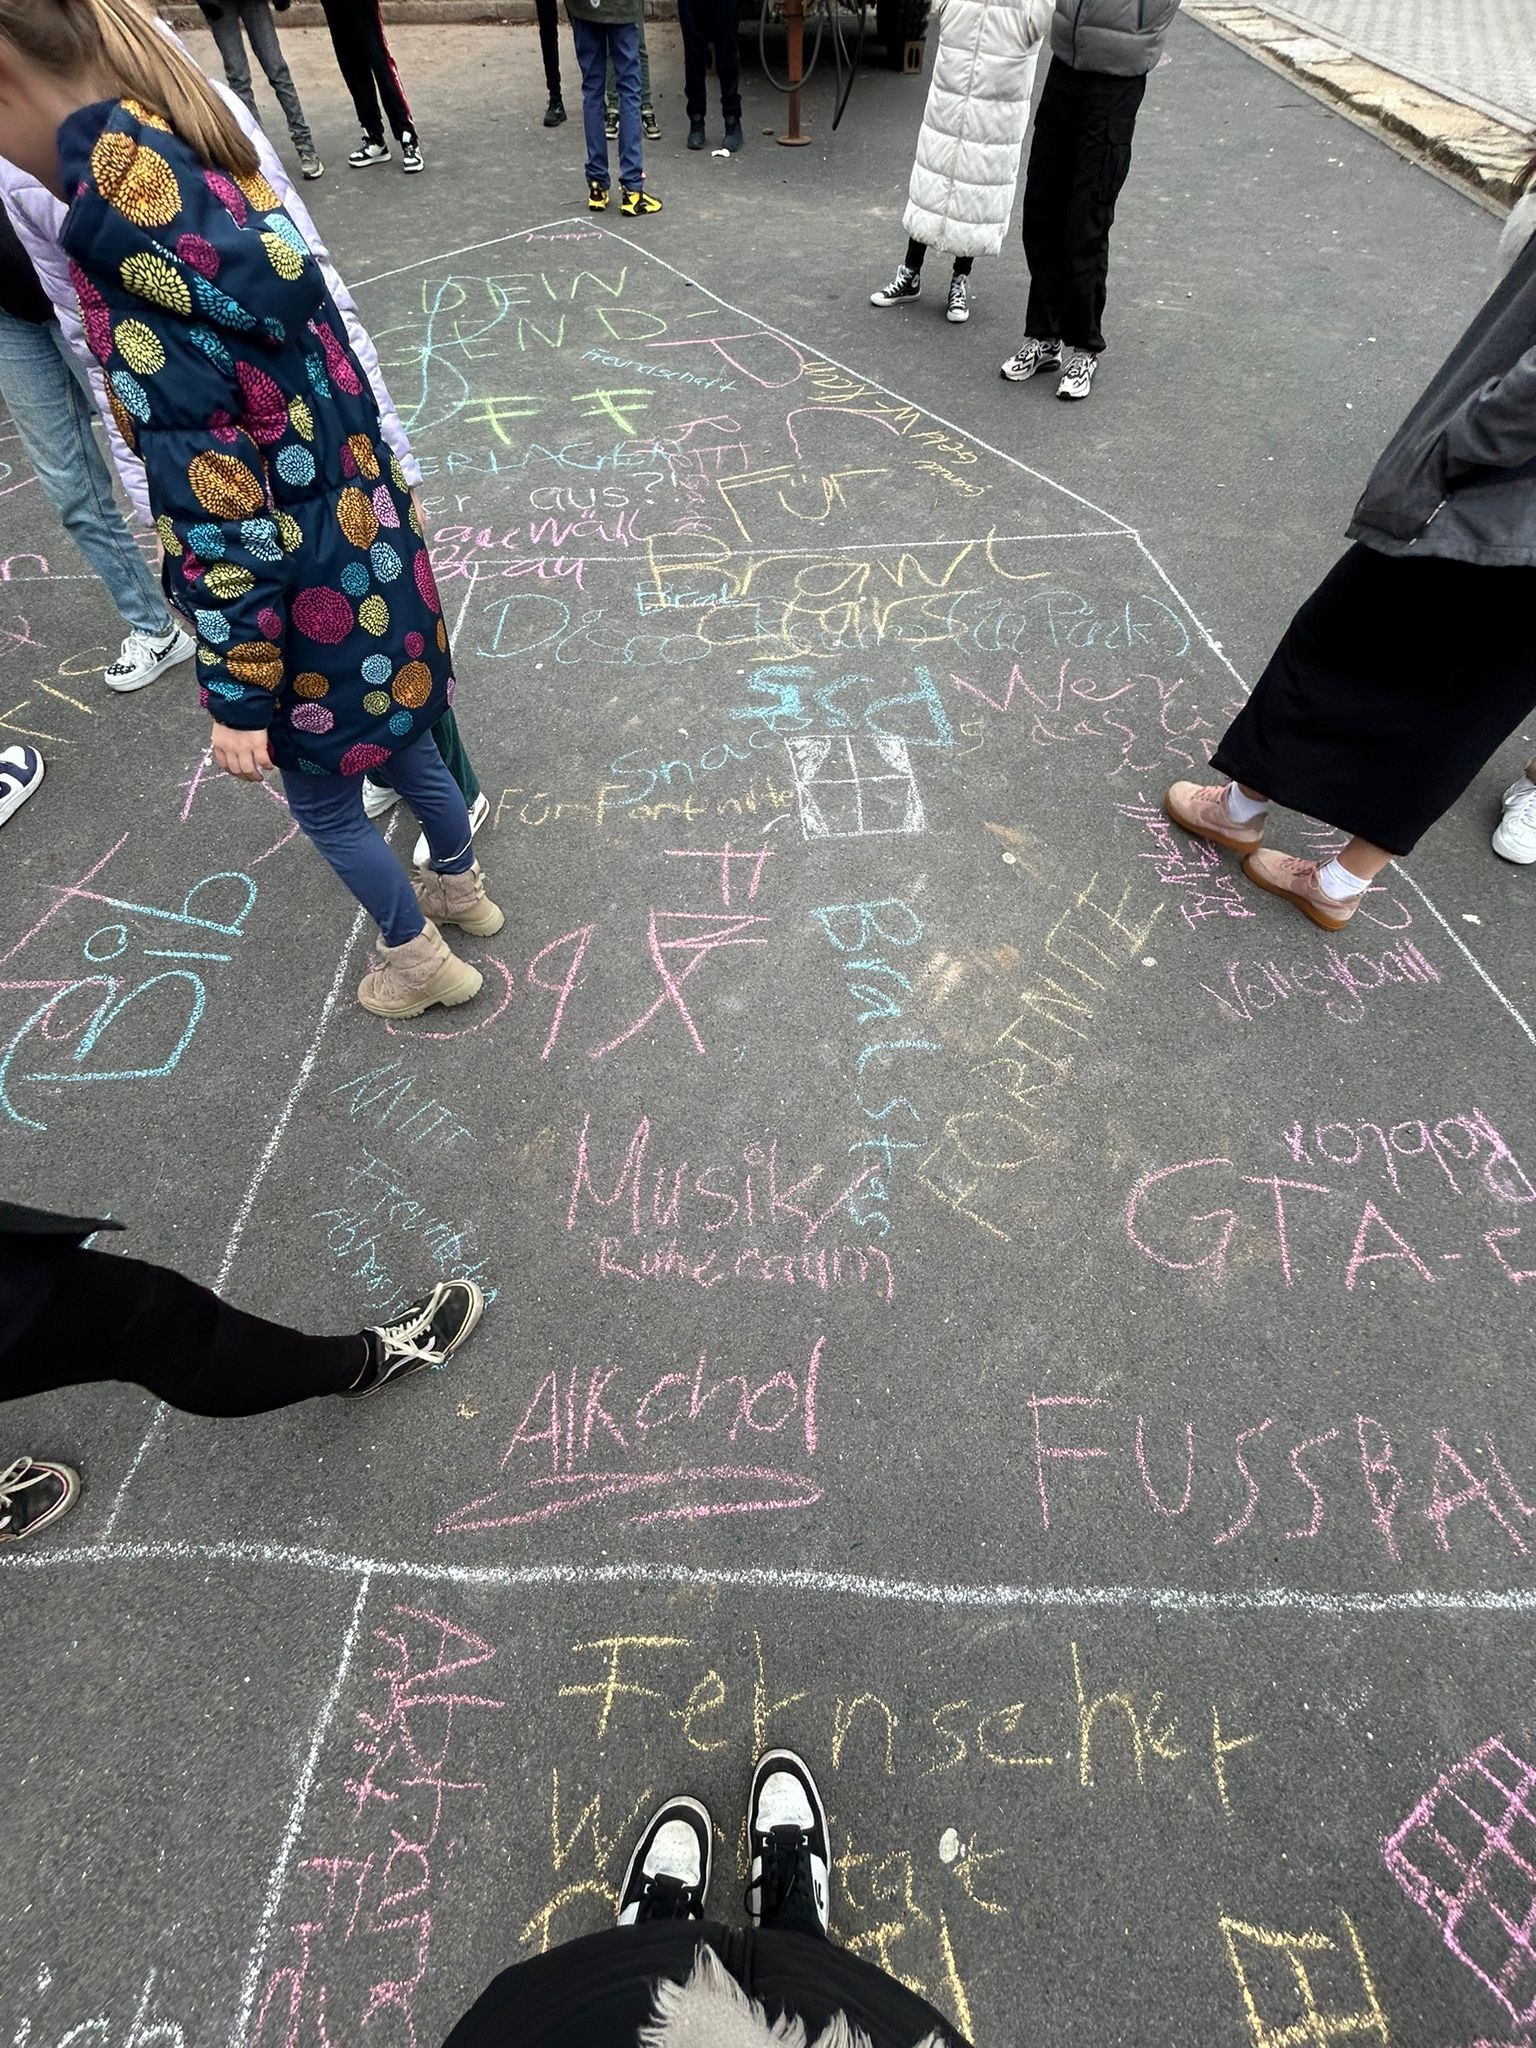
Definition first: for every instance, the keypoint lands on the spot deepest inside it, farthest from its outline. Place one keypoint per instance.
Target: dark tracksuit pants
(704, 22)
(72, 1317)
(549, 44)
(1078, 161)
(368, 68)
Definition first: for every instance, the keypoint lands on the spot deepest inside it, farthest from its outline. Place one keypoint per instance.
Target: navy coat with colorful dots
(290, 537)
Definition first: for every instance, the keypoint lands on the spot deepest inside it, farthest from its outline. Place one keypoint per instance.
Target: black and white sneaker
(1030, 358)
(33, 1493)
(427, 1335)
(21, 776)
(143, 656)
(788, 1843)
(371, 150)
(668, 1875)
(410, 152)
(959, 308)
(1077, 374)
(906, 284)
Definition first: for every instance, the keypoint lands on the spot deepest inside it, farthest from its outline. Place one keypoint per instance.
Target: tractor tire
(897, 23)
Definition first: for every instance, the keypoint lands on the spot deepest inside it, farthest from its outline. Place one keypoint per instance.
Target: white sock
(1339, 883)
(1241, 809)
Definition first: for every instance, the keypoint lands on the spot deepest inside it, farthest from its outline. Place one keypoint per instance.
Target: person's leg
(963, 265)
(549, 44)
(916, 251)
(691, 22)
(1047, 189)
(624, 44)
(262, 31)
(422, 777)
(230, 44)
(1107, 123)
(450, 744)
(330, 809)
(53, 416)
(645, 72)
(386, 73)
(724, 33)
(354, 61)
(591, 40)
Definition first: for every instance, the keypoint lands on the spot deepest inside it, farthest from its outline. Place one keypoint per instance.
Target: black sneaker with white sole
(411, 158)
(33, 1493)
(21, 776)
(668, 1875)
(371, 150)
(787, 1841)
(426, 1336)
(905, 285)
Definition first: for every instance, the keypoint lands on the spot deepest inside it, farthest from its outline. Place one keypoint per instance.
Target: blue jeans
(596, 42)
(330, 809)
(53, 415)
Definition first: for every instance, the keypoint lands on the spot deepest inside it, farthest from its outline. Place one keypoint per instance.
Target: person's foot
(554, 113)
(638, 203)
(1282, 874)
(310, 165)
(379, 799)
(1030, 358)
(611, 122)
(597, 197)
(696, 136)
(959, 308)
(787, 1841)
(1077, 374)
(479, 811)
(422, 1339)
(906, 284)
(733, 136)
(1201, 808)
(668, 1875)
(411, 158)
(371, 150)
(650, 127)
(33, 1493)
(1514, 836)
(21, 776)
(460, 900)
(143, 656)
(404, 980)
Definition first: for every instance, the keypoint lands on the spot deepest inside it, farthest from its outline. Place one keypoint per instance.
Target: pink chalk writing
(1340, 980)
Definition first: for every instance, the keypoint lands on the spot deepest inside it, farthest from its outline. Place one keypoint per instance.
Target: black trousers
(704, 22)
(73, 1317)
(597, 1991)
(549, 44)
(917, 250)
(1078, 162)
(367, 67)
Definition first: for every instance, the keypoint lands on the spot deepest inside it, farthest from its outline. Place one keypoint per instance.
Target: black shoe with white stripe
(788, 1843)
(33, 1493)
(425, 1337)
(21, 776)
(668, 1875)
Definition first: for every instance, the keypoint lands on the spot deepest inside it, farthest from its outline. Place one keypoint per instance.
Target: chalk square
(856, 786)
(1276, 1989)
(1509, 1888)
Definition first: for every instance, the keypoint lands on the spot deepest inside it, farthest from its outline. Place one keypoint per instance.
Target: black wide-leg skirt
(1395, 682)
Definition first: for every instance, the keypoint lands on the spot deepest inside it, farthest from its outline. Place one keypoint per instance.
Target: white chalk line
(277, 1878)
(697, 559)
(956, 1595)
(253, 1189)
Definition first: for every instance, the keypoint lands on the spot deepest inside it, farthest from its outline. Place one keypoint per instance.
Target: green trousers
(451, 746)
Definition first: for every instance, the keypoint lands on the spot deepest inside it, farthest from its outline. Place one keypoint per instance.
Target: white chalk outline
(277, 1877)
(956, 1595)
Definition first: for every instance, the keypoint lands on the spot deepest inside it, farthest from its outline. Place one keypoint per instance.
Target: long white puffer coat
(974, 123)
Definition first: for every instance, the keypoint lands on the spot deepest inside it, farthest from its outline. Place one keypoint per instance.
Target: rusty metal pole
(794, 15)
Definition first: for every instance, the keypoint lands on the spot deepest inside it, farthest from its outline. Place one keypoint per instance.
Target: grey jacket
(1122, 37)
(1459, 476)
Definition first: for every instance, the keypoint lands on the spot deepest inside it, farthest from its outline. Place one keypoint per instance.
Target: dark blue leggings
(330, 809)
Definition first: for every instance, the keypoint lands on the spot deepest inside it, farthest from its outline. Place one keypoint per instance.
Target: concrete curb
(1469, 143)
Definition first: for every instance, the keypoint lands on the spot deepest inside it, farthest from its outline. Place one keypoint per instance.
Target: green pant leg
(451, 746)
(611, 91)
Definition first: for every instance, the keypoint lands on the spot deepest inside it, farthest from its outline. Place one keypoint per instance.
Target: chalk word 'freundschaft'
(373, 1235)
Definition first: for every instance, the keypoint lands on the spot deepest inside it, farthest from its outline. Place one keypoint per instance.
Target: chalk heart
(161, 1014)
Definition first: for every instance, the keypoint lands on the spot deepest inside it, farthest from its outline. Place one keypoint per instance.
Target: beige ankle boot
(405, 980)
(458, 899)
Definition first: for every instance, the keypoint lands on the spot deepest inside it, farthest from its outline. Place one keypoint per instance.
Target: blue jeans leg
(591, 40)
(624, 40)
(53, 416)
(330, 809)
(421, 775)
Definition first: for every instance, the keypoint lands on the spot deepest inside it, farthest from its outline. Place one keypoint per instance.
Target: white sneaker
(668, 1874)
(788, 1843)
(959, 308)
(143, 656)
(21, 776)
(479, 811)
(1077, 374)
(1030, 358)
(368, 152)
(1515, 836)
(906, 284)
(378, 798)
